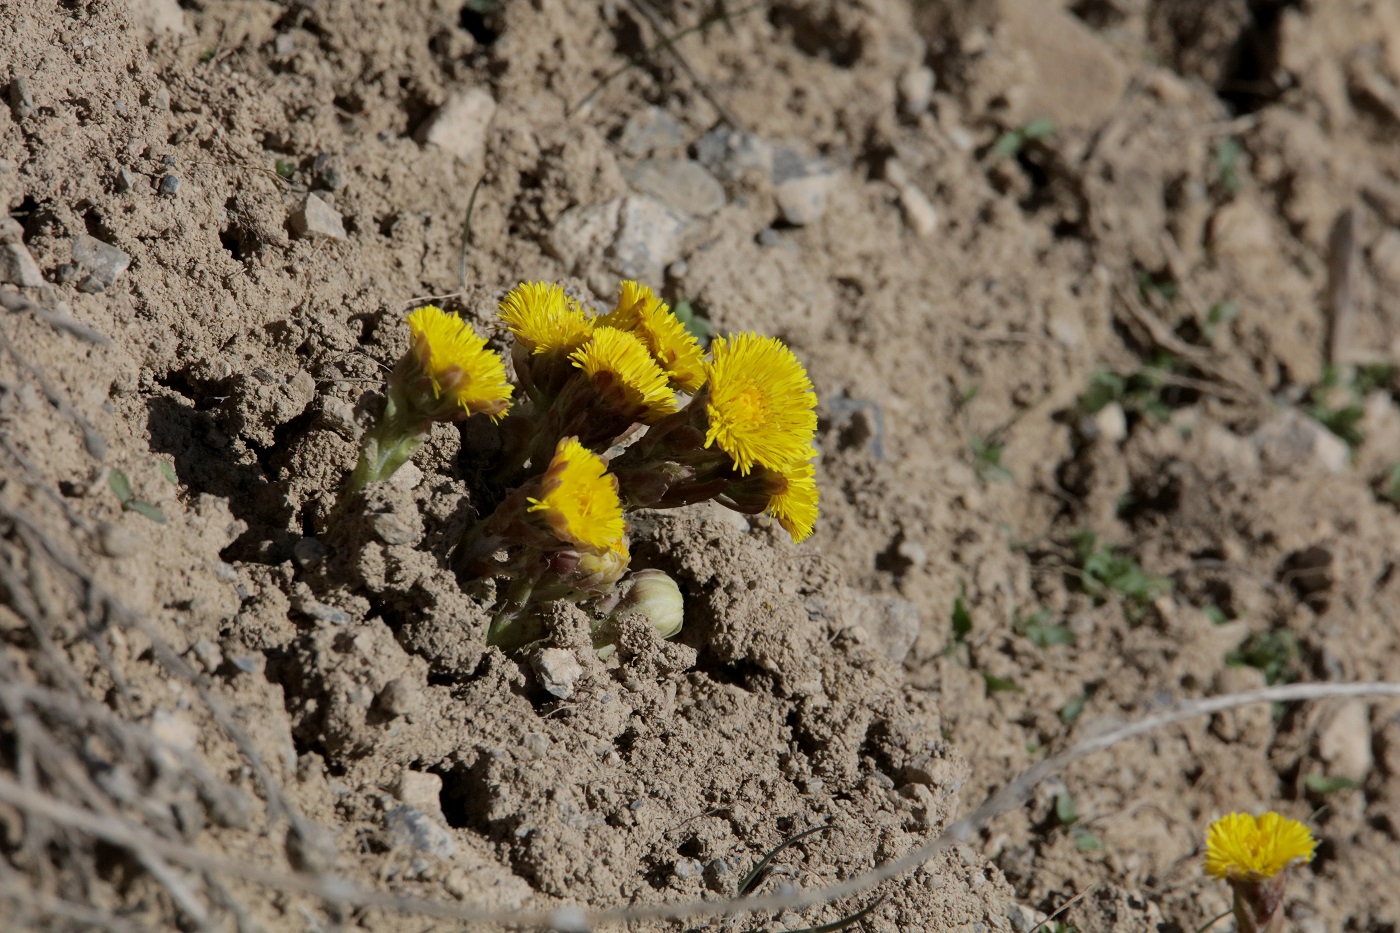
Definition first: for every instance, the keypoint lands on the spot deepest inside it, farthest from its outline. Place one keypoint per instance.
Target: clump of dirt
(1099, 300)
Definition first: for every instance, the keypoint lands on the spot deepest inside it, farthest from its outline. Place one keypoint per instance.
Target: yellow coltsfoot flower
(761, 406)
(544, 319)
(794, 504)
(466, 377)
(579, 500)
(1241, 847)
(650, 319)
(625, 375)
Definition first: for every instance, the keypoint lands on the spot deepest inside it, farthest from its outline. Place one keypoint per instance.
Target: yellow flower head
(650, 319)
(625, 374)
(578, 497)
(794, 503)
(455, 360)
(1240, 847)
(761, 407)
(544, 319)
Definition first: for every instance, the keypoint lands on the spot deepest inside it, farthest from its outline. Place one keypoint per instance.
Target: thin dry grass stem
(335, 890)
(1062, 908)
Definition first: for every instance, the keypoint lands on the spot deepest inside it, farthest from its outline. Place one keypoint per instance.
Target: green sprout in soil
(1336, 401)
(608, 414)
(961, 620)
(1010, 143)
(1221, 314)
(1103, 570)
(1274, 653)
(1322, 784)
(121, 488)
(986, 460)
(1390, 485)
(699, 326)
(1227, 164)
(285, 168)
(1042, 632)
(1139, 392)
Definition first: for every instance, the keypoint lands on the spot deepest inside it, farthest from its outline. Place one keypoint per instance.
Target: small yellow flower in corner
(1240, 847)
(463, 373)
(579, 501)
(761, 406)
(625, 375)
(544, 319)
(794, 503)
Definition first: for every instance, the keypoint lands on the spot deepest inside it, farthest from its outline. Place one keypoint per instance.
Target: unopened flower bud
(655, 595)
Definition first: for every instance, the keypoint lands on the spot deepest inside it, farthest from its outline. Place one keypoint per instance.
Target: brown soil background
(168, 676)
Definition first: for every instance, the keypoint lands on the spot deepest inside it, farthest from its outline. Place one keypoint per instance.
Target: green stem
(500, 632)
(387, 446)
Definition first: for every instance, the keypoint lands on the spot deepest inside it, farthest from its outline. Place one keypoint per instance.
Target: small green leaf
(1073, 710)
(997, 684)
(1039, 129)
(121, 486)
(168, 472)
(699, 326)
(146, 509)
(962, 618)
(1008, 144)
(1041, 631)
(1390, 486)
(1216, 615)
(285, 168)
(1322, 784)
(1065, 811)
(1084, 840)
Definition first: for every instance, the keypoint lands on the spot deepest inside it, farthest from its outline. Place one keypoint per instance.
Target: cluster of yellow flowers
(615, 412)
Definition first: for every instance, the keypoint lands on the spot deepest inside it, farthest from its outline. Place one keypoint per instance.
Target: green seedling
(1103, 569)
(761, 871)
(1084, 840)
(1390, 485)
(1220, 315)
(1065, 810)
(986, 460)
(1323, 785)
(1335, 402)
(1227, 164)
(1138, 392)
(121, 488)
(1216, 615)
(1040, 630)
(1274, 653)
(1154, 285)
(168, 472)
(1072, 710)
(847, 921)
(961, 619)
(1010, 143)
(285, 168)
(700, 327)
(997, 684)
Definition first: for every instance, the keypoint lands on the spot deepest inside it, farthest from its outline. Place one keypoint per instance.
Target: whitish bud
(656, 596)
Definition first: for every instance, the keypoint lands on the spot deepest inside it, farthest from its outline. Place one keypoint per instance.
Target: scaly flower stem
(502, 632)
(387, 446)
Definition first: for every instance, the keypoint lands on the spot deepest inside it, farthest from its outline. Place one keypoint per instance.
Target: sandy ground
(1101, 300)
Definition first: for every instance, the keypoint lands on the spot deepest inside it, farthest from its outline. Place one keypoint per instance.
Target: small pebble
(916, 90)
(21, 98)
(316, 218)
(410, 828)
(125, 181)
(310, 551)
(400, 697)
(392, 530)
(208, 655)
(558, 671)
(17, 266)
(686, 868)
(118, 540)
(169, 185)
(103, 262)
(10, 230)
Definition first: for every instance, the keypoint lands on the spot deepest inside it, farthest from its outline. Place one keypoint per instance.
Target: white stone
(459, 126)
(648, 238)
(919, 212)
(558, 671)
(1344, 742)
(316, 218)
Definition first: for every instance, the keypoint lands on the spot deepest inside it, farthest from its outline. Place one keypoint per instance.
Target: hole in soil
(482, 20)
(819, 36)
(1251, 83)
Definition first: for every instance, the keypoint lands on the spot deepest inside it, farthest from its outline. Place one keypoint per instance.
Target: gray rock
(421, 789)
(1291, 440)
(125, 181)
(648, 238)
(891, 623)
(536, 745)
(679, 184)
(308, 552)
(391, 529)
(323, 612)
(169, 186)
(916, 90)
(686, 868)
(328, 171)
(102, 262)
(583, 232)
(558, 671)
(802, 199)
(10, 230)
(650, 130)
(21, 98)
(459, 126)
(409, 828)
(400, 697)
(17, 267)
(730, 153)
(316, 218)
(208, 654)
(337, 415)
